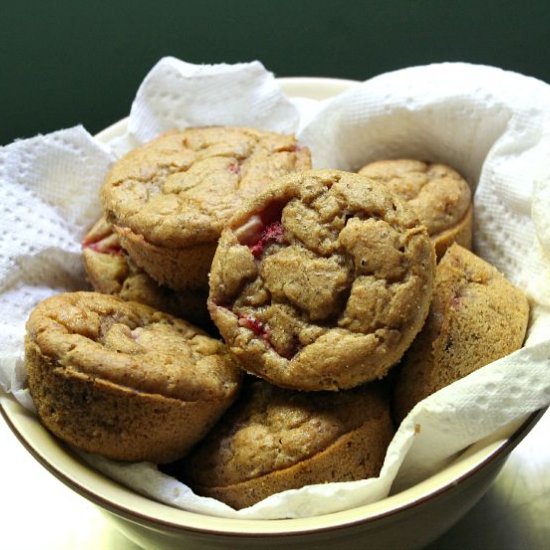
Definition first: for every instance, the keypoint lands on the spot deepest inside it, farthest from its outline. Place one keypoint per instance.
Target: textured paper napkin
(491, 125)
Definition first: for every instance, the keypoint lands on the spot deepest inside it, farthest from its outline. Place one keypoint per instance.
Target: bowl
(409, 519)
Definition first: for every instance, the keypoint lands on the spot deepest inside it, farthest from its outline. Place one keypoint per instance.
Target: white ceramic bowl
(410, 519)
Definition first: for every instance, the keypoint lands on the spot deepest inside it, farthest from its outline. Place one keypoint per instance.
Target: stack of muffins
(247, 311)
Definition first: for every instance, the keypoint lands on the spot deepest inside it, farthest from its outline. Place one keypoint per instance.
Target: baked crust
(275, 439)
(169, 199)
(440, 196)
(123, 380)
(476, 317)
(322, 281)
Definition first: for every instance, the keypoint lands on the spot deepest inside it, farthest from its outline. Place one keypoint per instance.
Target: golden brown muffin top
(476, 316)
(181, 188)
(439, 194)
(132, 345)
(271, 429)
(324, 276)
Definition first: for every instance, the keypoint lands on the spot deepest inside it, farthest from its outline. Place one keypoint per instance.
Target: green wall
(69, 62)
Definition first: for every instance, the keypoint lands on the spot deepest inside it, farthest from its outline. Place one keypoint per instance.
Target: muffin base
(460, 234)
(116, 422)
(358, 454)
(178, 268)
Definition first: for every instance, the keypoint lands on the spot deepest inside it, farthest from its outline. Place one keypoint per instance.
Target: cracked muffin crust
(477, 316)
(169, 199)
(322, 281)
(440, 196)
(123, 380)
(111, 271)
(275, 439)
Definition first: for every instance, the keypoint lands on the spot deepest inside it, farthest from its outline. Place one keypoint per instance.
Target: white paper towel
(49, 199)
(176, 94)
(491, 125)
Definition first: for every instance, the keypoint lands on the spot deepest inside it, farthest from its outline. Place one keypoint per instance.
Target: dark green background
(69, 62)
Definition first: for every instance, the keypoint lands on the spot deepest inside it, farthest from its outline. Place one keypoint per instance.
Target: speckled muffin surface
(123, 380)
(322, 282)
(169, 199)
(477, 316)
(275, 439)
(110, 271)
(440, 196)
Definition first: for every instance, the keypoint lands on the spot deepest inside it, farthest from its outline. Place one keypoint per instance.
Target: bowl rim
(477, 456)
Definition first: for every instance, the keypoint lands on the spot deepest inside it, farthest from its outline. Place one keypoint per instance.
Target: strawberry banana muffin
(111, 271)
(123, 380)
(440, 196)
(476, 317)
(275, 439)
(169, 199)
(322, 281)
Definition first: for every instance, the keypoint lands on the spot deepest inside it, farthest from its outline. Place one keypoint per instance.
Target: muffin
(275, 439)
(322, 281)
(111, 271)
(169, 199)
(440, 196)
(476, 317)
(123, 380)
